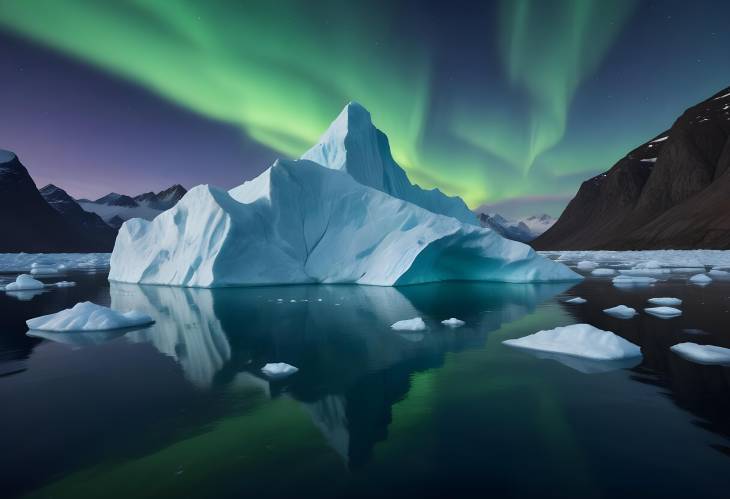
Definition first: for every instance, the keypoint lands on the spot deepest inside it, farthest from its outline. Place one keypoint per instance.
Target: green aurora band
(281, 71)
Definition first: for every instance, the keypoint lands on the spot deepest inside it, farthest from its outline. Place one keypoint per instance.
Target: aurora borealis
(500, 102)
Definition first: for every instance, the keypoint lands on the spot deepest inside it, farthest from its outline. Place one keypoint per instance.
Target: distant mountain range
(115, 208)
(524, 229)
(670, 192)
(50, 221)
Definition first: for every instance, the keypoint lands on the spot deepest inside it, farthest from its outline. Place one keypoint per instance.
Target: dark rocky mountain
(28, 223)
(163, 200)
(670, 192)
(89, 223)
(114, 199)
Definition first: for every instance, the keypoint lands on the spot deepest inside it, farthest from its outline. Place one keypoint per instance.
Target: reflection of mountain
(353, 367)
(185, 327)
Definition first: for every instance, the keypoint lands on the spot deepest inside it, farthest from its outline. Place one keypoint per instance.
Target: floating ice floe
(621, 312)
(631, 280)
(64, 284)
(603, 272)
(719, 274)
(415, 324)
(43, 270)
(700, 279)
(587, 265)
(663, 312)
(579, 340)
(25, 262)
(649, 264)
(577, 300)
(666, 301)
(24, 282)
(702, 354)
(453, 322)
(87, 316)
(640, 272)
(279, 370)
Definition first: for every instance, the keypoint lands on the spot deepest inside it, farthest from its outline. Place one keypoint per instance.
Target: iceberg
(603, 272)
(415, 324)
(87, 316)
(453, 322)
(587, 265)
(701, 279)
(621, 312)
(663, 312)
(278, 370)
(578, 340)
(667, 301)
(354, 219)
(702, 354)
(24, 282)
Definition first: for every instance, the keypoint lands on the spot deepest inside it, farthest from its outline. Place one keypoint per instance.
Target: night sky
(510, 103)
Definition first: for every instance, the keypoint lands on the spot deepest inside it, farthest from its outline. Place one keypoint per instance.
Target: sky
(509, 104)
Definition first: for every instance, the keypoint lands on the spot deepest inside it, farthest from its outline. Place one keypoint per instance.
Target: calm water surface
(179, 409)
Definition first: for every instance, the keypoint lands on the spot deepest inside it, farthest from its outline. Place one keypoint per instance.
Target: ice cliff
(346, 213)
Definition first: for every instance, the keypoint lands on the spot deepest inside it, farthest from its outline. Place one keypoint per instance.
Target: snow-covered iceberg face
(350, 217)
(301, 223)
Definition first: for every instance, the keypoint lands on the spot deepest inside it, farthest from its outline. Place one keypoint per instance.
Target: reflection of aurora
(282, 78)
(353, 367)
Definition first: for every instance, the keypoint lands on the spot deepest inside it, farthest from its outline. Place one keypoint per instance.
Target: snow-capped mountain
(115, 208)
(670, 192)
(523, 230)
(353, 219)
(28, 223)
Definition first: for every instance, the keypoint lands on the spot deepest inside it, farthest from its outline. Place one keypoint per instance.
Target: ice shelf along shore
(345, 213)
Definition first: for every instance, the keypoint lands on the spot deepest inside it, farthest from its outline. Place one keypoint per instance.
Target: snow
(621, 312)
(603, 272)
(660, 139)
(648, 160)
(6, 156)
(663, 312)
(668, 301)
(25, 262)
(24, 282)
(87, 316)
(702, 354)
(577, 300)
(301, 222)
(587, 265)
(722, 96)
(108, 212)
(629, 280)
(700, 279)
(278, 370)
(579, 340)
(453, 322)
(415, 324)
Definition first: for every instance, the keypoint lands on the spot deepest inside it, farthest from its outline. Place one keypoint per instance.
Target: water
(179, 409)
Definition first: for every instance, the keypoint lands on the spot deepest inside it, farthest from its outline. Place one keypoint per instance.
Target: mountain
(163, 200)
(353, 145)
(670, 192)
(28, 223)
(89, 223)
(342, 222)
(523, 230)
(115, 208)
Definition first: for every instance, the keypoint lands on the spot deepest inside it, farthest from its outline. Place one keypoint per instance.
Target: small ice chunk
(667, 301)
(453, 322)
(579, 340)
(279, 370)
(702, 354)
(587, 265)
(700, 279)
(600, 272)
(43, 270)
(632, 280)
(621, 312)
(64, 284)
(719, 274)
(415, 324)
(664, 312)
(24, 282)
(87, 316)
